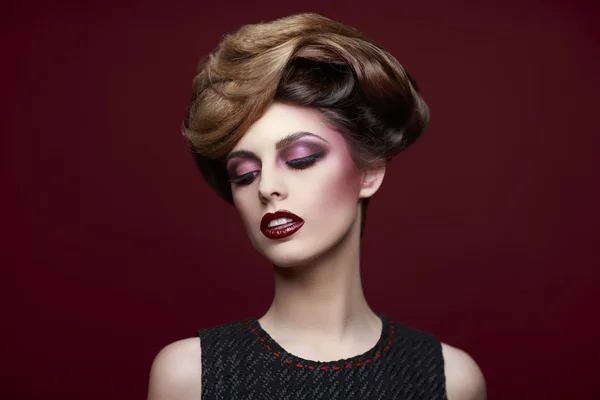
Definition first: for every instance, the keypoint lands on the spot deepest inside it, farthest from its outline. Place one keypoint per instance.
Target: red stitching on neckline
(324, 367)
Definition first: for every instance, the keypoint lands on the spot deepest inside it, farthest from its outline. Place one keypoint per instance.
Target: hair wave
(305, 60)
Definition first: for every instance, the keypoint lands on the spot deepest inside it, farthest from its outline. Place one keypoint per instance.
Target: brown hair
(306, 60)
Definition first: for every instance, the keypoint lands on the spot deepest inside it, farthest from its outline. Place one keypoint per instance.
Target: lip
(280, 233)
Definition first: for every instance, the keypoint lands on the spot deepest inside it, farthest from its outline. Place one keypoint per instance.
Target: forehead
(282, 119)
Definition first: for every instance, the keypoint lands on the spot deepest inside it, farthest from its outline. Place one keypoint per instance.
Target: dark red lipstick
(283, 228)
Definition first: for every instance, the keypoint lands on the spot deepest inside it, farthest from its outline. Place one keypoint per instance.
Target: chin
(294, 252)
(300, 249)
(289, 253)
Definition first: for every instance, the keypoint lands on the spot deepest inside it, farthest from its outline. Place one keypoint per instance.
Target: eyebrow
(286, 141)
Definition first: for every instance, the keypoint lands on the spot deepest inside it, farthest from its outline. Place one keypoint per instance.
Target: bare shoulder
(464, 379)
(176, 372)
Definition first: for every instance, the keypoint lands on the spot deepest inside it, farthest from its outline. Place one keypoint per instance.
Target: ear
(371, 180)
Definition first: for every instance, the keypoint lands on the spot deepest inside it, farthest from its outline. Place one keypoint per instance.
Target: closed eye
(298, 164)
(245, 179)
(304, 162)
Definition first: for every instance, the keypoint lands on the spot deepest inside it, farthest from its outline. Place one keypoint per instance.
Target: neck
(323, 300)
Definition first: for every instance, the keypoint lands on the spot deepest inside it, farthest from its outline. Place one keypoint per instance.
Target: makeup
(291, 160)
(280, 224)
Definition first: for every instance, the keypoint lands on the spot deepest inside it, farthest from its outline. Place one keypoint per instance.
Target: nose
(271, 186)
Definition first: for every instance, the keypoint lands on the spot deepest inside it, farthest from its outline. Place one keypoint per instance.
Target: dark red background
(485, 232)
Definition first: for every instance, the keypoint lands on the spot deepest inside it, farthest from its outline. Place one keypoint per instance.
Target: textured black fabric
(241, 361)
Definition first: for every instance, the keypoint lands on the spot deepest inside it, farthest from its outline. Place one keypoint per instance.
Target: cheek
(339, 189)
(241, 203)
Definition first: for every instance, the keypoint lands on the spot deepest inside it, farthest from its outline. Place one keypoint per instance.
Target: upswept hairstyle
(306, 60)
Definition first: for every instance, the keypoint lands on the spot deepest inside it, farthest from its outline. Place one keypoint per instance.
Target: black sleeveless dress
(241, 361)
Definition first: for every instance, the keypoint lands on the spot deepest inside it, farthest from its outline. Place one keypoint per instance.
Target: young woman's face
(291, 160)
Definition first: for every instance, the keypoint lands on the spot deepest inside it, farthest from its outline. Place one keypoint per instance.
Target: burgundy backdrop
(485, 232)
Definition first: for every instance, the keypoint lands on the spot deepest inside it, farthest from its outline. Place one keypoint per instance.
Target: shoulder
(464, 379)
(176, 371)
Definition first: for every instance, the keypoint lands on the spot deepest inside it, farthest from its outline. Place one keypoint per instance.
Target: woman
(293, 122)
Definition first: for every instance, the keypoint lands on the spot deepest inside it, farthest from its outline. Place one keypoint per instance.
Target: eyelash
(297, 164)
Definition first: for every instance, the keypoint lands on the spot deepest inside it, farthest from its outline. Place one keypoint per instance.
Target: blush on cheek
(341, 188)
(245, 214)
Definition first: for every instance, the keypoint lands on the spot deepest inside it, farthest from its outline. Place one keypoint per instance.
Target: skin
(319, 311)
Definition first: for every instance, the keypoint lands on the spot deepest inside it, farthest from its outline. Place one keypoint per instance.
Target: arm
(464, 379)
(176, 372)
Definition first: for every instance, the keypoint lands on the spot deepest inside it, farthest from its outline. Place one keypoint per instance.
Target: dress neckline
(268, 344)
